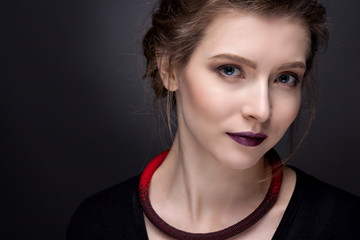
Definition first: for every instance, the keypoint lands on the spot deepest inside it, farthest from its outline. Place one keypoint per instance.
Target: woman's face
(241, 88)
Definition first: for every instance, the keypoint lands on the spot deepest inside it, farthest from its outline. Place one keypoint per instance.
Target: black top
(316, 211)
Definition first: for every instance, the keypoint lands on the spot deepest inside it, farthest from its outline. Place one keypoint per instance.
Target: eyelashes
(233, 72)
(289, 79)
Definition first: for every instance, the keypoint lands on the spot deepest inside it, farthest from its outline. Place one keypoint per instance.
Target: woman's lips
(248, 139)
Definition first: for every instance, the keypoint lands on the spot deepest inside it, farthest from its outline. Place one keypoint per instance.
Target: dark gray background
(76, 117)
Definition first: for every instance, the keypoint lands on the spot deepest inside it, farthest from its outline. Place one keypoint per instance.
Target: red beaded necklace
(226, 233)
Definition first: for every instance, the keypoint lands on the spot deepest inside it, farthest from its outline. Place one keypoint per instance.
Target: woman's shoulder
(112, 212)
(318, 210)
(318, 190)
(115, 196)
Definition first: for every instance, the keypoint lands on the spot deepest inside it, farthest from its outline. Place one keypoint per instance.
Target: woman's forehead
(255, 35)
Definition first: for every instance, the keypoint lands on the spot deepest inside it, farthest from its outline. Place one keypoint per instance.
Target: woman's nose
(257, 106)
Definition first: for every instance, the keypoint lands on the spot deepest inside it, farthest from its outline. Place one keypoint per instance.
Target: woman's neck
(203, 188)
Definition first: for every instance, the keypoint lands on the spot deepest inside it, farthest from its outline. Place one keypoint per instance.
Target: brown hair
(179, 25)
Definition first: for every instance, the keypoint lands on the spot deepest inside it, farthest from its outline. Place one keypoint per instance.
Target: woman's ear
(167, 74)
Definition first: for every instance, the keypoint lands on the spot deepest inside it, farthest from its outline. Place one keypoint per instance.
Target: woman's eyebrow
(252, 64)
(236, 58)
(293, 65)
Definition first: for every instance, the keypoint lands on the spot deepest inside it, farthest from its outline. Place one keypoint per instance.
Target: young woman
(236, 73)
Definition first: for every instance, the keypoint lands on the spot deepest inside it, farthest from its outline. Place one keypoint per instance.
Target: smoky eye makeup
(289, 79)
(230, 70)
(227, 70)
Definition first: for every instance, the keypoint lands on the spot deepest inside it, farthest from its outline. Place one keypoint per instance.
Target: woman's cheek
(287, 107)
(203, 96)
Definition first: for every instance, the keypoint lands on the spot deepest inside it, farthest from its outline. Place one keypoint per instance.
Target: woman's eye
(288, 79)
(230, 71)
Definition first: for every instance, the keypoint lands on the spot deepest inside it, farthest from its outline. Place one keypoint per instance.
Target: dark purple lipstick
(248, 139)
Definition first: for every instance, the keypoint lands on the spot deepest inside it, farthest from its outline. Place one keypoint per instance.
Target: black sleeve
(85, 223)
(319, 211)
(344, 222)
(111, 214)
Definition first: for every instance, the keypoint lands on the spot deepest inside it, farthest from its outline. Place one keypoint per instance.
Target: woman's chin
(241, 160)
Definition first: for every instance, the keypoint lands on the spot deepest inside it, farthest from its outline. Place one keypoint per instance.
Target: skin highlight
(245, 75)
